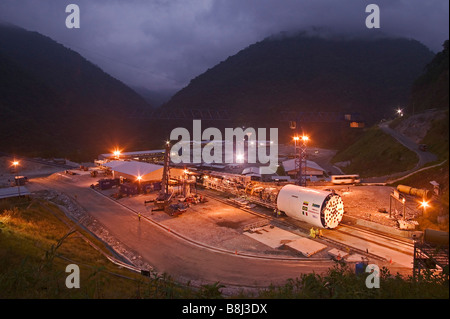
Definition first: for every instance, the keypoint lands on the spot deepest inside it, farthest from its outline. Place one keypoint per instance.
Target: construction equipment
(423, 193)
(176, 209)
(319, 208)
(164, 197)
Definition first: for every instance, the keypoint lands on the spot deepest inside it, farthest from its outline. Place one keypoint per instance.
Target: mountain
(54, 102)
(156, 98)
(430, 90)
(370, 75)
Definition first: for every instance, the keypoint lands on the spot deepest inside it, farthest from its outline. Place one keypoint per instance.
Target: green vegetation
(55, 103)
(305, 72)
(437, 138)
(430, 90)
(342, 282)
(376, 153)
(281, 171)
(395, 122)
(36, 245)
(439, 207)
(437, 141)
(309, 73)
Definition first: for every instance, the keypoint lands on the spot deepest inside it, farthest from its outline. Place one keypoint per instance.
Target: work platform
(275, 237)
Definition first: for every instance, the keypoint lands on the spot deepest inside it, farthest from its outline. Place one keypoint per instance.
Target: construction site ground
(221, 225)
(369, 203)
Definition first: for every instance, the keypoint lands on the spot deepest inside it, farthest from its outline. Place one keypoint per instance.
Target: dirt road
(168, 253)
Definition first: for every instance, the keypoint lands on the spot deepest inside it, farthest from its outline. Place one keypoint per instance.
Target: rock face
(417, 126)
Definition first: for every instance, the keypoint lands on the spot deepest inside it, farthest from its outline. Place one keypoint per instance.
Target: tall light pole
(16, 171)
(117, 154)
(300, 158)
(304, 140)
(139, 178)
(298, 164)
(424, 204)
(15, 164)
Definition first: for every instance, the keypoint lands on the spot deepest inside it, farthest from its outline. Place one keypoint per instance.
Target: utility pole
(16, 177)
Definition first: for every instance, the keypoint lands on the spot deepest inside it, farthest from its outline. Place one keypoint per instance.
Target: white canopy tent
(146, 171)
(312, 168)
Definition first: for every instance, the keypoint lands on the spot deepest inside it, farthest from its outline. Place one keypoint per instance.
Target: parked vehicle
(423, 147)
(345, 179)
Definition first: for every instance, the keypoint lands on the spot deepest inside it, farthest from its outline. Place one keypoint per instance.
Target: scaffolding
(430, 252)
(401, 212)
(300, 162)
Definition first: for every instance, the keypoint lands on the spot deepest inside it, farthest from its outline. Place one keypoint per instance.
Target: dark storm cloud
(164, 44)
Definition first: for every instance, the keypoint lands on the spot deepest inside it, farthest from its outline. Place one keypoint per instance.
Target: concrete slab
(381, 246)
(338, 254)
(9, 192)
(272, 237)
(355, 258)
(306, 246)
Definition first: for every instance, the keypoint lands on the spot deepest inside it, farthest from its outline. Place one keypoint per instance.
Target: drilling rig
(164, 196)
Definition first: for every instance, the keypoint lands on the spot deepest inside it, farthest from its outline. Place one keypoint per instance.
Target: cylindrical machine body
(422, 193)
(316, 207)
(436, 237)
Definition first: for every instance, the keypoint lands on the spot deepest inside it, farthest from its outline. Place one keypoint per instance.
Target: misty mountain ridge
(155, 98)
(309, 70)
(430, 90)
(327, 33)
(54, 100)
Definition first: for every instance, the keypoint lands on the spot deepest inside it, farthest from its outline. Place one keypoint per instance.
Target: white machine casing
(319, 208)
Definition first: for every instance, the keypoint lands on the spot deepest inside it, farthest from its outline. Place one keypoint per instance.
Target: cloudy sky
(163, 44)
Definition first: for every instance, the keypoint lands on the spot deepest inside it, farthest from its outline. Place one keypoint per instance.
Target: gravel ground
(78, 214)
(366, 202)
(29, 169)
(213, 223)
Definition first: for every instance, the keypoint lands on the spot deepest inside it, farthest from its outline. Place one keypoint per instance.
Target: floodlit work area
(232, 212)
(236, 215)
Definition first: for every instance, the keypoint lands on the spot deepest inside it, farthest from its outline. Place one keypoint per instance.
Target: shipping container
(129, 189)
(21, 180)
(108, 183)
(157, 186)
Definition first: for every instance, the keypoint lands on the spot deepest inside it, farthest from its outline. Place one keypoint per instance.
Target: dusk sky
(163, 44)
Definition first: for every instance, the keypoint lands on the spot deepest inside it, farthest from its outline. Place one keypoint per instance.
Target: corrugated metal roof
(137, 153)
(133, 168)
(113, 164)
(251, 170)
(289, 165)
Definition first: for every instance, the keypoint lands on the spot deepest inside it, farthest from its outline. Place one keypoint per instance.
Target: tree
(281, 171)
